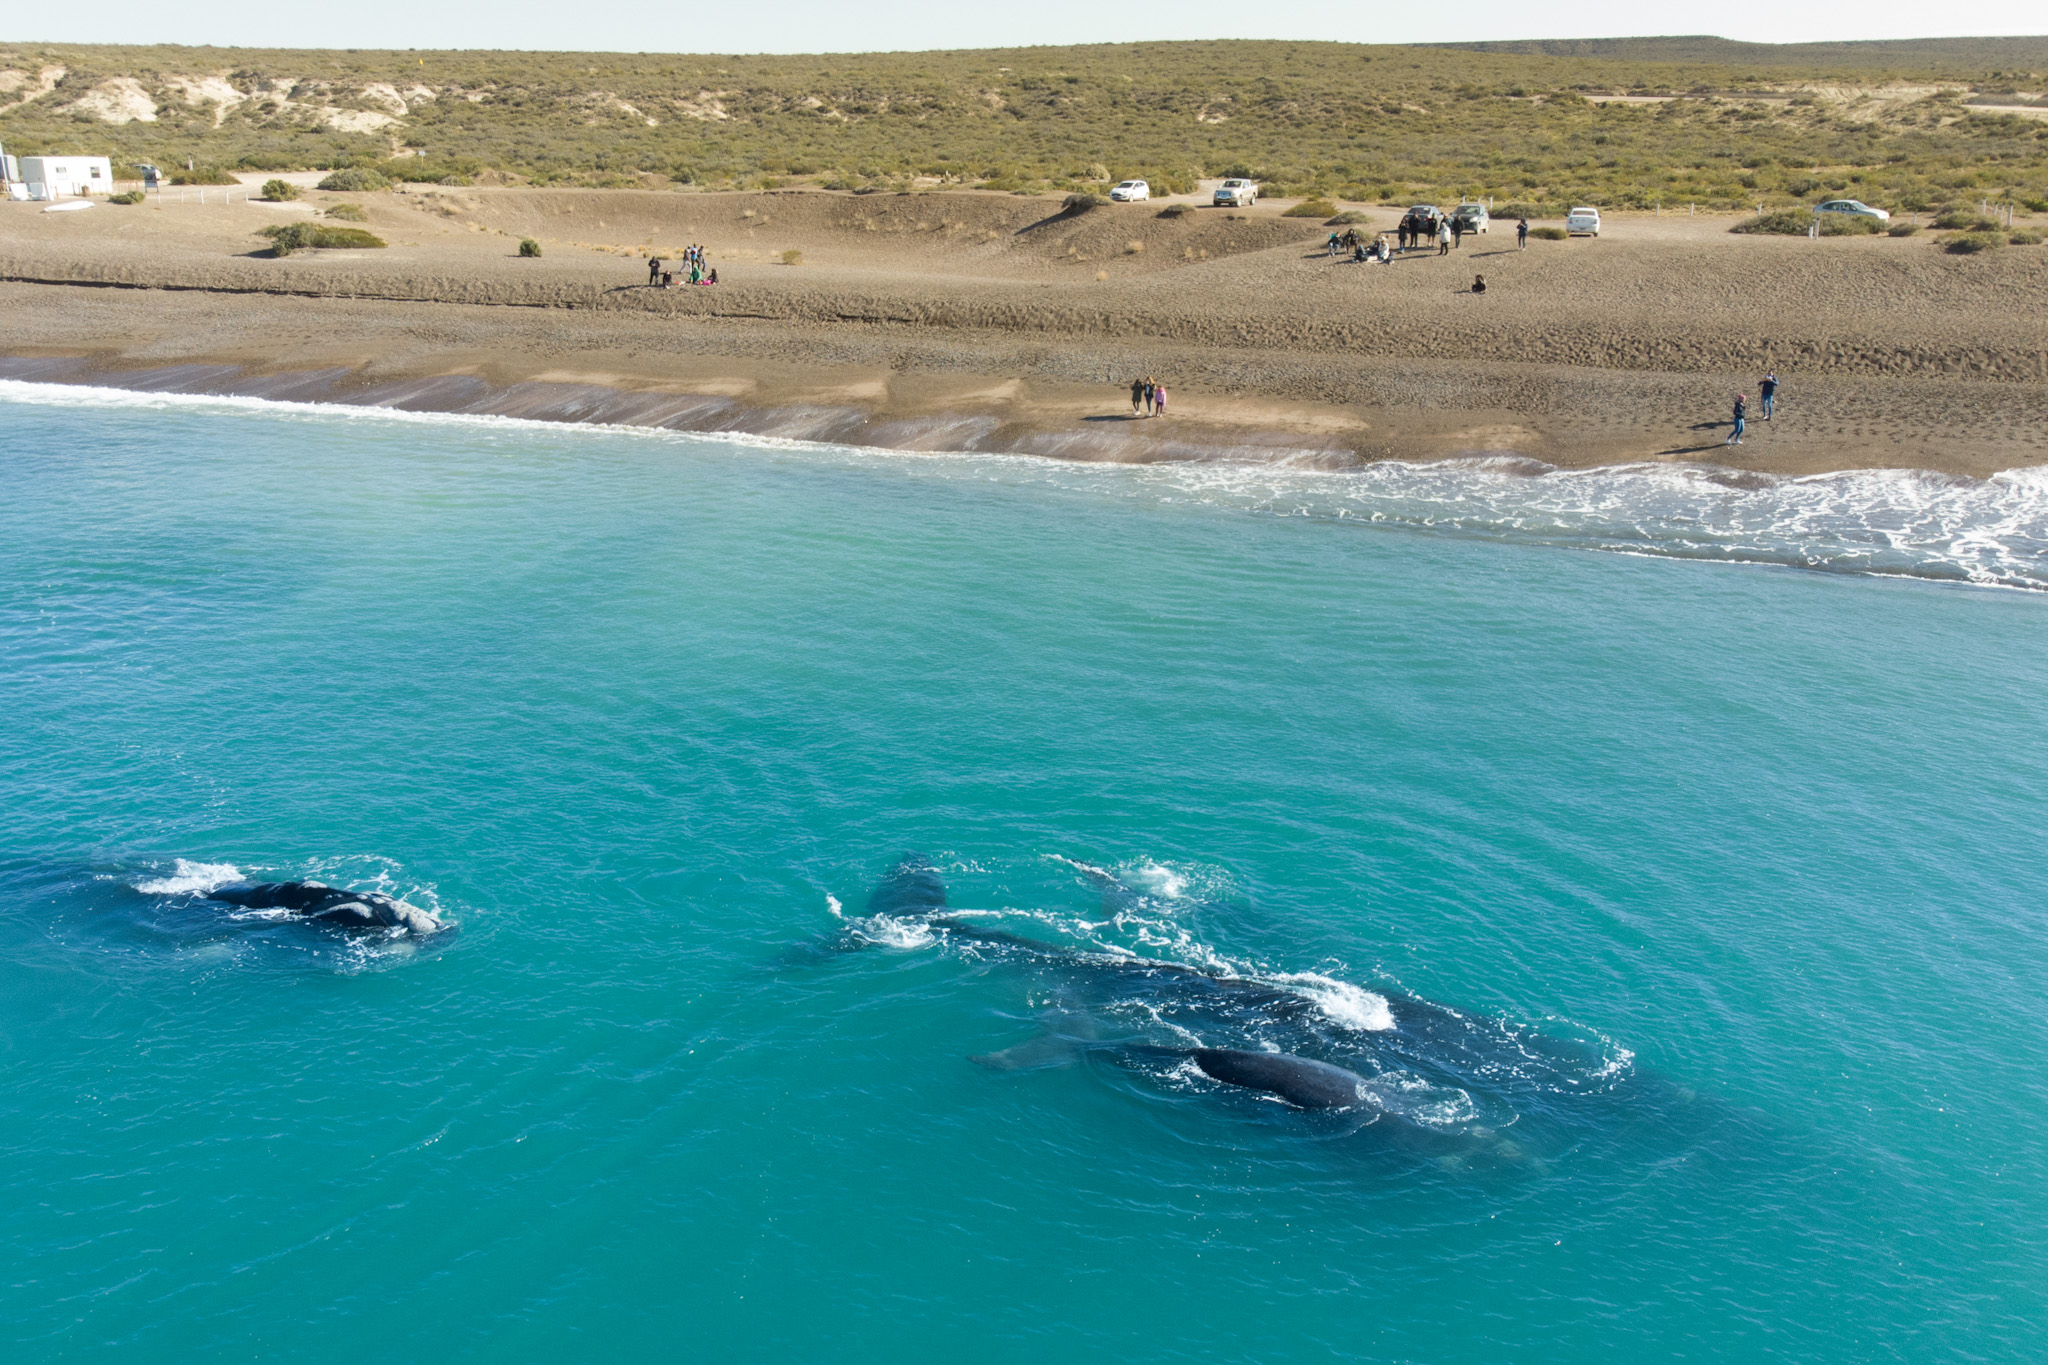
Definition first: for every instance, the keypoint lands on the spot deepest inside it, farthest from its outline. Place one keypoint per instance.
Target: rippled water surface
(1684, 920)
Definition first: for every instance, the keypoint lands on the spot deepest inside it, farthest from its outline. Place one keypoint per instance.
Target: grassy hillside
(1522, 122)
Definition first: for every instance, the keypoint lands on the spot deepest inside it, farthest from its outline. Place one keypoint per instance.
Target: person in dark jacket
(1479, 284)
(1767, 391)
(1522, 235)
(1741, 420)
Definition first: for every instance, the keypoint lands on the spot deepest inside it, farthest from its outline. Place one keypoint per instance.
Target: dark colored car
(1422, 220)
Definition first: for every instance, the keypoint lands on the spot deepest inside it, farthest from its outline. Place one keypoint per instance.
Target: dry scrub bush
(355, 180)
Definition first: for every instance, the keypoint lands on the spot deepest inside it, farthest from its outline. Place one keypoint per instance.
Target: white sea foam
(1160, 881)
(1351, 1005)
(832, 904)
(887, 931)
(190, 878)
(1907, 523)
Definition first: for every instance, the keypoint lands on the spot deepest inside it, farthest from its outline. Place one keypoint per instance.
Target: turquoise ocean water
(1686, 915)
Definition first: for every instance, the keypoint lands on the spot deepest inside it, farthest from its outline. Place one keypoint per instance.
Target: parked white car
(1853, 208)
(1130, 192)
(1237, 194)
(1583, 221)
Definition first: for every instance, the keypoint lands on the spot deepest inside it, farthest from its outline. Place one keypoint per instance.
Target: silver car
(1853, 208)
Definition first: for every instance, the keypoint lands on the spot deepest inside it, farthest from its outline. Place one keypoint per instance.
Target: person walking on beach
(1522, 235)
(1741, 420)
(1137, 396)
(1443, 239)
(1767, 391)
(1458, 232)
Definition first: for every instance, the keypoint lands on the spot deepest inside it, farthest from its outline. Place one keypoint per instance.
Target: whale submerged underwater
(1417, 1074)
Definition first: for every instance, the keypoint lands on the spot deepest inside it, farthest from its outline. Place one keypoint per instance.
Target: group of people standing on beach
(1450, 232)
(1148, 398)
(692, 264)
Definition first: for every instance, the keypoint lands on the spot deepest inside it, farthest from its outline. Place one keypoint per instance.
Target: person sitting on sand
(712, 277)
(1479, 284)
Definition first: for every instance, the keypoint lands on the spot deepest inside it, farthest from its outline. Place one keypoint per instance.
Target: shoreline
(951, 413)
(996, 324)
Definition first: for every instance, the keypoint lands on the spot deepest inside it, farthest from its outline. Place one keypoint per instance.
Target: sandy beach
(997, 322)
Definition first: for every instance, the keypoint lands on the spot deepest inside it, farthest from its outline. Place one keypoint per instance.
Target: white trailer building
(61, 176)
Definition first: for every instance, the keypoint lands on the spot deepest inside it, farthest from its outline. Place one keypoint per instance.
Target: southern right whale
(330, 905)
(1430, 1077)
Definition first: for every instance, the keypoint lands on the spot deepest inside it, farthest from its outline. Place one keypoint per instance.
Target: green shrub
(455, 181)
(1176, 211)
(1963, 220)
(1969, 243)
(1783, 222)
(1848, 225)
(352, 213)
(2025, 239)
(528, 247)
(279, 190)
(1349, 216)
(1904, 229)
(130, 197)
(1549, 234)
(1081, 203)
(285, 238)
(355, 180)
(792, 257)
(1312, 208)
(205, 175)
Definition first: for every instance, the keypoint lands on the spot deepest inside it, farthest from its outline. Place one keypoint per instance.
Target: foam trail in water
(189, 878)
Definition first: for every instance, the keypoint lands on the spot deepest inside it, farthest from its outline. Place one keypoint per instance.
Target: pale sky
(899, 25)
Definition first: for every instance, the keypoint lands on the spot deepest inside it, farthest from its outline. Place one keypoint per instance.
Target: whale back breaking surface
(1301, 1081)
(331, 905)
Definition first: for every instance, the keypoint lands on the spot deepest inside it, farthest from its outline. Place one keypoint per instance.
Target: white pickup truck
(1237, 194)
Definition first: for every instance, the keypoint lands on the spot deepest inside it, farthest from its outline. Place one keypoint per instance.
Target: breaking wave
(1888, 522)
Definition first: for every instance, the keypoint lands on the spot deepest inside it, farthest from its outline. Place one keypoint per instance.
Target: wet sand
(994, 322)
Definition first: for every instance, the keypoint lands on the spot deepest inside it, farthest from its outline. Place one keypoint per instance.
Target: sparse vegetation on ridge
(1622, 124)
